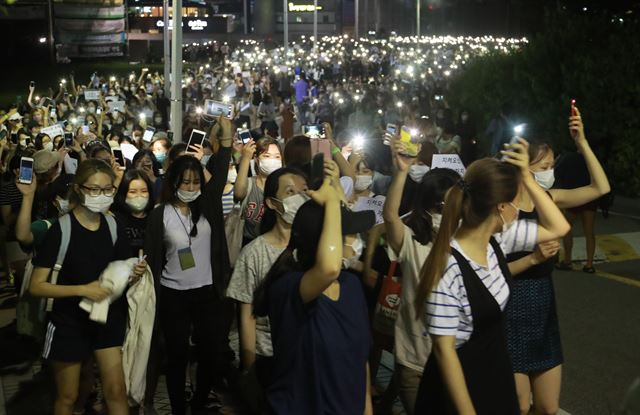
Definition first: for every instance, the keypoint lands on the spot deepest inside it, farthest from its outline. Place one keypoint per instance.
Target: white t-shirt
(253, 264)
(412, 343)
(447, 310)
(175, 239)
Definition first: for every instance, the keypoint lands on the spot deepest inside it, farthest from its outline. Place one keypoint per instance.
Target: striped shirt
(227, 202)
(448, 312)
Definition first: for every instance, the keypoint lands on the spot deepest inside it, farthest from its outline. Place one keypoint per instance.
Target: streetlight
(315, 26)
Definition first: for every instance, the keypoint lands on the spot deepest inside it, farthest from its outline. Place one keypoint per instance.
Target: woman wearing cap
(284, 193)
(318, 314)
(533, 333)
(465, 286)
(268, 158)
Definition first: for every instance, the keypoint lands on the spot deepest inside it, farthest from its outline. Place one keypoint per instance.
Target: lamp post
(176, 72)
(357, 22)
(418, 18)
(285, 22)
(315, 26)
(167, 49)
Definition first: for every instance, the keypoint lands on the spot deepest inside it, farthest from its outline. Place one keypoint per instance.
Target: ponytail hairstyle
(473, 199)
(429, 196)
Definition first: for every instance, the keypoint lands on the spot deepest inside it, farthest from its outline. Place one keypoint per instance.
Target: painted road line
(618, 278)
(609, 248)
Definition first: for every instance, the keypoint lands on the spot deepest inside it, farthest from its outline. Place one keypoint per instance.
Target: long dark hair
(304, 239)
(271, 187)
(155, 164)
(487, 183)
(172, 182)
(121, 196)
(428, 197)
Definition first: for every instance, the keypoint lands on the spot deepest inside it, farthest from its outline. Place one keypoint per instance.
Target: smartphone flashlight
(142, 116)
(518, 129)
(198, 110)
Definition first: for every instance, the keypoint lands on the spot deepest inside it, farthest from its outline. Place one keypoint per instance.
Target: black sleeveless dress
(533, 332)
(484, 358)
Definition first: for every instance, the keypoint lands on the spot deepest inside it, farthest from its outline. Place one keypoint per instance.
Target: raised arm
(552, 223)
(568, 198)
(329, 255)
(346, 169)
(23, 223)
(241, 187)
(392, 221)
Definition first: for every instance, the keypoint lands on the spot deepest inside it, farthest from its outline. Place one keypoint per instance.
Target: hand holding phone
(573, 108)
(407, 138)
(26, 170)
(244, 135)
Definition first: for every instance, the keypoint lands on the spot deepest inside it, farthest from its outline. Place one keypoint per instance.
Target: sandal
(564, 266)
(589, 270)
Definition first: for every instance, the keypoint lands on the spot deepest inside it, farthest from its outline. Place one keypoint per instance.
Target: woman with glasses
(71, 336)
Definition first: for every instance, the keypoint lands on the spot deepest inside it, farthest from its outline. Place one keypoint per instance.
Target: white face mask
(137, 204)
(358, 249)
(232, 176)
(291, 205)
(268, 166)
(506, 226)
(187, 197)
(23, 143)
(545, 179)
(63, 206)
(91, 110)
(363, 182)
(48, 146)
(436, 220)
(98, 204)
(417, 172)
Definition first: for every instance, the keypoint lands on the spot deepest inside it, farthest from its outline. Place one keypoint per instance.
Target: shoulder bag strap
(65, 237)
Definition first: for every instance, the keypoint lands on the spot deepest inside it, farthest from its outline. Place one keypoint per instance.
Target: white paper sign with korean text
(448, 161)
(92, 95)
(52, 131)
(376, 204)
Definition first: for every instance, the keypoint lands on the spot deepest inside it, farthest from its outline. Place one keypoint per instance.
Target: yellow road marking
(615, 248)
(618, 278)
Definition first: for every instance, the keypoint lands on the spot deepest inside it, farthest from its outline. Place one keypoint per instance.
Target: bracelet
(335, 151)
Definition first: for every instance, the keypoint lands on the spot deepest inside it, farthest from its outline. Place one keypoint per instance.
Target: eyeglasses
(95, 191)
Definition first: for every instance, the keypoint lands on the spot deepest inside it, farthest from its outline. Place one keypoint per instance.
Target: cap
(16, 116)
(44, 160)
(307, 225)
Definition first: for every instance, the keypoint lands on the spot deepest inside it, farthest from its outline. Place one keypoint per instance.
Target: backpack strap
(113, 228)
(65, 237)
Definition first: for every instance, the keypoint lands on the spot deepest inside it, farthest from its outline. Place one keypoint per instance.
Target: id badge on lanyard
(185, 255)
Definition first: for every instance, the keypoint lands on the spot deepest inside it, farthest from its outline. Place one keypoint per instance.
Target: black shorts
(69, 343)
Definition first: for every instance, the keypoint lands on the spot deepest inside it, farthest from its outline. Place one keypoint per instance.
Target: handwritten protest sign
(448, 161)
(376, 204)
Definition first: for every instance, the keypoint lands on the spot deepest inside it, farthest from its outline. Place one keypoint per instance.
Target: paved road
(600, 321)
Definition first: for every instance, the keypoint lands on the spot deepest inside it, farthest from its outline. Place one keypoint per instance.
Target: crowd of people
(361, 214)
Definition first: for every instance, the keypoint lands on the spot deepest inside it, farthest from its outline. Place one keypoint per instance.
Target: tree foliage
(588, 58)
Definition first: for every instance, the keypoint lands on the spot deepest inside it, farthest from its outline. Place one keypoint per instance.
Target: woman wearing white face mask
(364, 178)
(133, 202)
(464, 286)
(228, 192)
(71, 336)
(284, 193)
(409, 243)
(533, 333)
(268, 158)
(186, 248)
